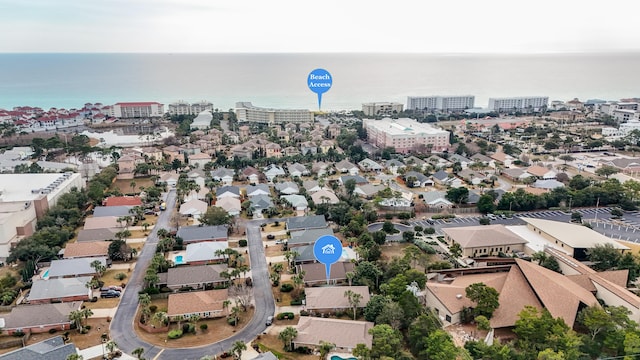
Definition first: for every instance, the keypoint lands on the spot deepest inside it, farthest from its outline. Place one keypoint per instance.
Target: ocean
(279, 80)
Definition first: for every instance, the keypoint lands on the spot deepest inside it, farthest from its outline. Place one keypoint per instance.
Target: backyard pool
(336, 357)
(45, 275)
(178, 260)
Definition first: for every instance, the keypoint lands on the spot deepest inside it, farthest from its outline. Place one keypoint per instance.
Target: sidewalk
(96, 352)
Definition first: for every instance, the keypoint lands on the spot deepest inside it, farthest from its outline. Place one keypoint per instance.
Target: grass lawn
(273, 344)
(109, 277)
(271, 228)
(102, 303)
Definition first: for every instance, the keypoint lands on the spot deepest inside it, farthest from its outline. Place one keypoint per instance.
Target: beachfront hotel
(381, 108)
(518, 103)
(132, 110)
(247, 112)
(405, 134)
(438, 103)
(184, 108)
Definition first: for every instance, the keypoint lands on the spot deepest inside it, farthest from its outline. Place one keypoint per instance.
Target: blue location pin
(319, 81)
(327, 250)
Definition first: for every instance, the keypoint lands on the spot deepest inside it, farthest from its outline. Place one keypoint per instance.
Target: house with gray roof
(59, 290)
(415, 161)
(204, 252)
(436, 200)
(464, 161)
(224, 175)
(483, 159)
(394, 165)
(315, 273)
(298, 202)
(345, 166)
(306, 222)
(96, 235)
(265, 356)
(196, 276)
(100, 211)
(548, 184)
(75, 267)
(54, 348)
(260, 203)
(443, 178)
(304, 255)
(259, 189)
(287, 188)
(228, 191)
(472, 177)
(297, 169)
(417, 179)
(307, 236)
(311, 186)
(272, 171)
(39, 318)
(197, 233)
(368, 191)
(357, 178)
(370, 165)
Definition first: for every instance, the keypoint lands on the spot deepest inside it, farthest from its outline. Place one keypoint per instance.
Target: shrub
(304, 350)
(388, 216)
(429, 231)
(120, 276)
(296, 302)
(203, 326)
(231, 321)
(165, 289)
(175, 334)
(286, 288)
(153, 308)
(285, 316)
(185, 328)
(242, 242)
(151, 291)
(304, 313)
(88, 327)
(52, 331)
(404, 215)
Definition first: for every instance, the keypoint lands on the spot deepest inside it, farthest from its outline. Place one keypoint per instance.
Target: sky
(399, 26)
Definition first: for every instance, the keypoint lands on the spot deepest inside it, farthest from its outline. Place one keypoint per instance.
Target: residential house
(548, 184)
(223, 175)
(252, 175)
(195, 277)
(324, 197)
(329, 299)
(169, 178)
(306, 222)
(483, 159)
(326, 145)
(444, 178)
(501, 158)
(198, 233)
(272, 171)
(259, 203)
(199, 160)
(370, 165)
(230, 204)
(273, 150)
(345, 166)
(417, 162)
(60, 290)
(190, 149)
(193, 208)
(172, 152)
(105, 222)
(228, 191)
(344, 334)
(484, 240)
(152, 153)
(625, 165)
(515, 174)
(542, 173)
(126, 167)
(307, 236)
(122, 201)
(287, 188)
(315, 273)
(298, 202)
(205, 252)
(96, 235)
(308, 147)
(472, 177)
(436, 200)
(311, 186)
(297, 170)
(265, 356)
(414, 179)
(396, 202)
(464, 161)
(368, 191)
(100, 211)
(86, 249)
(259, 189)
(54, 348)
(436, 162)
(359, 180)
(40, 318)
(206, 304)
(394, 165)
(321, 168)
(76, 267)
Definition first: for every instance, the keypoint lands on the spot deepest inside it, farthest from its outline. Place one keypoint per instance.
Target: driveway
(122, 325)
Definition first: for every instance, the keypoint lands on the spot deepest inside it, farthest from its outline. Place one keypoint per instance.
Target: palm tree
(237, 349)
(287, 335)
(325, 348)
(162, 233)
(194, 318)
(354, 300)
(235, 313)
(138, 353)
(76, 318)
(160, 318)
(86, 313)
(132, 184)
(111, 346)
(225, 304)
(98, 267)
(144, 300)
(145, 226)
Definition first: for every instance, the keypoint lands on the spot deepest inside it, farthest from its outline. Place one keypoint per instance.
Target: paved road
(122, 325)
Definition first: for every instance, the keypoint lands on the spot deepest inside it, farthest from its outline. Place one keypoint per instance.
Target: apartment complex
(533, 103)
(247, 112)
(184, 108)
(405, 134)
(132, 110)
(381, 108)
(438, 103)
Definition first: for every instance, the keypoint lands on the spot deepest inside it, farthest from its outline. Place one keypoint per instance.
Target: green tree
(287, 335)
(440, 346)
(391, 314)
(325, 348)
(419, 331)
(354, 301)
(606, 171)
(216, 216)
(605, 257)
(237, 349)
(538, 331)
(386, 341)
(458, 195)
(375, 306)
(485, 297)
(137, 352)
(486, 204)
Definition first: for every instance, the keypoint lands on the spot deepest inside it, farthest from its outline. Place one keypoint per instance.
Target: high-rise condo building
(438, 103)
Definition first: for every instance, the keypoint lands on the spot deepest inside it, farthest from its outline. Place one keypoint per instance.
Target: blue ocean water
(279, 80)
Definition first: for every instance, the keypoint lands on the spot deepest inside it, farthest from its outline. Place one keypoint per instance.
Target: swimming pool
(178, 260)
(336, 357)
(45, 275)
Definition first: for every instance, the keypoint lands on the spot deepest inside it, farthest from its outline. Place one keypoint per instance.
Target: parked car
(269, 320)
(110, 294)
(278, 242)
(111, 288)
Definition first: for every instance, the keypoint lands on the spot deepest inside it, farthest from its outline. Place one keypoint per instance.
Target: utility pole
(596, 215)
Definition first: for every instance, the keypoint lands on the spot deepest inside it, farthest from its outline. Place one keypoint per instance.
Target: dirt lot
(217, 329)
(391, 250)
(273, 250)
(124, 185)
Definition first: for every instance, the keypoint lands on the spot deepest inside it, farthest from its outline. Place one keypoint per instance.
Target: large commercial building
(184, 108)
(381, 108)
(24, 198)
(405, 134)
(133, 110)
(247, 112)
(518, 103)
(440, 103)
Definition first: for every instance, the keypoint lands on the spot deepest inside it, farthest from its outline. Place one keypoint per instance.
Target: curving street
(122, 331)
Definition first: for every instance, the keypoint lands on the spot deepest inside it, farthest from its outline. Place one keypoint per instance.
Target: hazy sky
(449, 26)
